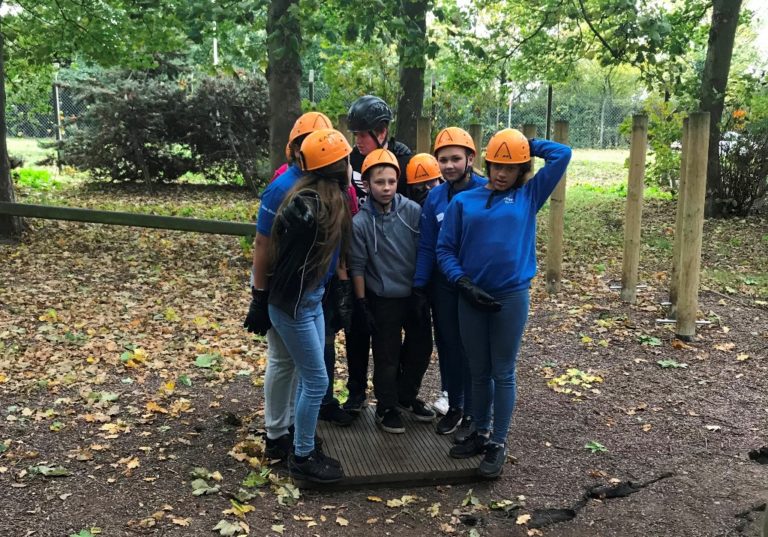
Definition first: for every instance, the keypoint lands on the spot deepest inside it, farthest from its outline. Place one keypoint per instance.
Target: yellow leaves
(725, 347)
(278, 528)
(181, 521)
(134, 359)
(3, 378)
(341, 521)
(239, 509)
(179, 406)
(742, 357)
(155, 408)
(374, 499)
(168, 388)
(574, 377)
(50, 316)
(523, 519)
(170, 315)
(434, 509)
(447, 528)
(647, 427)
(403, 501)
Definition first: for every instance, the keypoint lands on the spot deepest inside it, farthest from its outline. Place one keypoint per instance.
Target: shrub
(155, 129)
(743, 168)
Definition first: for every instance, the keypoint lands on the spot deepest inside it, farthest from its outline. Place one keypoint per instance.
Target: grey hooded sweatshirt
(383, 248)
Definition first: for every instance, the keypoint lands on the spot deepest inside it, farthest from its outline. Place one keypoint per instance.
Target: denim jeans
(492, 341)
(329, 356)
(280, 382)
(454, 367)
(304, 337)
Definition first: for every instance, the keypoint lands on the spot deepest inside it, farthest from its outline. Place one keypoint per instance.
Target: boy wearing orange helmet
(487, 248)
(382, 261)
(455, 153)
(422, 174)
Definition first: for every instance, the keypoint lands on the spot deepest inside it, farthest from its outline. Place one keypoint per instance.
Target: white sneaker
(441, 404)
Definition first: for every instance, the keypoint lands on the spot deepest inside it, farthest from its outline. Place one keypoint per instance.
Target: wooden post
(634, 211)
(556, 213)
(693, 224)
(674, 277)
(342, 125)
(476, 132)
(424, 135)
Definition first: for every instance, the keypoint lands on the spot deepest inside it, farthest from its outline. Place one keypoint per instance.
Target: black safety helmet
(367, 113)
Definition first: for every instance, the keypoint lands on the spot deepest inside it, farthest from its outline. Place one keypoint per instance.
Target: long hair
(332, 217)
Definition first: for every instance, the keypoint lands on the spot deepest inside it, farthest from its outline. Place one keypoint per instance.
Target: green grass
(749, 283)
(28, 149)
(598, 166)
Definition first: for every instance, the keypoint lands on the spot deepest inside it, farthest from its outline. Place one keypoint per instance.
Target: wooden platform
(371, 456)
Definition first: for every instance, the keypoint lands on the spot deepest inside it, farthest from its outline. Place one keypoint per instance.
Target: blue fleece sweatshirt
(273, 196)
(432, 214)
(490, 236)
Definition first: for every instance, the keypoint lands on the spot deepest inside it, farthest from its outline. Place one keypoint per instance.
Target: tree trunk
(412, 62)
(10, 226)
(283, 74)
(725, 19)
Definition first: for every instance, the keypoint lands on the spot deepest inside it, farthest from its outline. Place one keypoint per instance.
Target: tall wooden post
(674, 277)
(424, 135)
(476, 132)
(556, 214)
(634, 209)
(342, 125)
(693, 224)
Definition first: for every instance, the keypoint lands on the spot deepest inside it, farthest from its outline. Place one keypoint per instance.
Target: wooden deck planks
(371, 456)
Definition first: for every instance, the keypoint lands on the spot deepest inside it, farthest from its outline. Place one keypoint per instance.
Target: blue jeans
(454, 366)
(304, 337)
(492, 341)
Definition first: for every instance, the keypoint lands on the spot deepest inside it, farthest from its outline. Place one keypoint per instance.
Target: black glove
(257, 320)
(297, 216)
(365, 319)
(420, 305)
(343, 301)
(476, 296)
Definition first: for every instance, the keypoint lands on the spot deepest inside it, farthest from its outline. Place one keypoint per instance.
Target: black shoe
(390, 421)
(419, 410)
(279, 448)
(474, 444)
(466, 428)
(450, 421)
(493, 462)
(333, 413)
(315, 468)
(354, 404)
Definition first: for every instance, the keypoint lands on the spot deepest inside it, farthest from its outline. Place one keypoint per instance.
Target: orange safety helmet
(422, 167)
(309, 122)
(378, 157)
(321, 148)
(508, 146)
(454, 136)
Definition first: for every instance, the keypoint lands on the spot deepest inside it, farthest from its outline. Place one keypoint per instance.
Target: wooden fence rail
(219, 227)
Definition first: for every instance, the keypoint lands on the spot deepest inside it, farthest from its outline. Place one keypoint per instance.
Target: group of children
(385, 244)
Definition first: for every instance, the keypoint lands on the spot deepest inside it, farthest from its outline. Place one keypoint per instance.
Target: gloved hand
(257, 320)
(420, 305)
(365, 318)
(297, 215)
(343, 300)
(476, 296)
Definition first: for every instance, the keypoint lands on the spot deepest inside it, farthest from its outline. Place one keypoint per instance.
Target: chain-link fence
(26, 121)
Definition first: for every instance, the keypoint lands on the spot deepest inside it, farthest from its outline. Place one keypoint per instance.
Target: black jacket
(289, 279)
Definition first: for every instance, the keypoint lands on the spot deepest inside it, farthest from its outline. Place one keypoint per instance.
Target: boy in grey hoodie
(382, 262)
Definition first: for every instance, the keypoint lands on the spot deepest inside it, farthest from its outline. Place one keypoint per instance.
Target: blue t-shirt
(490, 236)
(432, 214)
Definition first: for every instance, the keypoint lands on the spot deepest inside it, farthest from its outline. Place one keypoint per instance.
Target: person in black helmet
(369, 118)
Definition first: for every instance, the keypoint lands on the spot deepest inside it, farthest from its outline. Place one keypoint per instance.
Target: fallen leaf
(522, 519)
(341, 521)
(181, 521)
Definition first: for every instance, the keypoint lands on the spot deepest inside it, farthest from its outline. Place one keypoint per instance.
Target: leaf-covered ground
(128, 388)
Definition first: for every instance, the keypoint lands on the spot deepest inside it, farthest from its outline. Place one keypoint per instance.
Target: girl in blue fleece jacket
(487, 247)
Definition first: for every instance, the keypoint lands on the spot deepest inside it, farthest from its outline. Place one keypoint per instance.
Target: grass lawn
(28, 149)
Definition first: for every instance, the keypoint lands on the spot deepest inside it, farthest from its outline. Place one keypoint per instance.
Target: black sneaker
(466, 428)
(493, 462)
(335, 414)
(390, 421)
(419, 410)
(315, 468)
(474, 444)
(354, 404)
(279, 448)
(450, 421)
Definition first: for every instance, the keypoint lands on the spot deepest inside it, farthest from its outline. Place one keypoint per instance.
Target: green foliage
(168, 127)
(36, 179)
(743, 166)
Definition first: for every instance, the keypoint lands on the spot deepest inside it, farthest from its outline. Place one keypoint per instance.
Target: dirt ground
(124, 366)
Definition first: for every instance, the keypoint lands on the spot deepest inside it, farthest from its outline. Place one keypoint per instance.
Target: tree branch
(614, 53)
